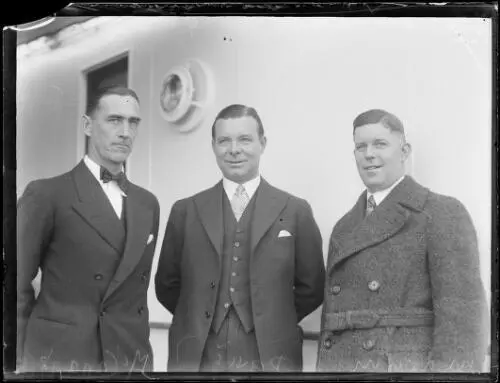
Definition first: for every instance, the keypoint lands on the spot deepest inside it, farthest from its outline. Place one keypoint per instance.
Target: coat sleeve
(168, 274)
(35, 223)
(459, 303)
(309, 264)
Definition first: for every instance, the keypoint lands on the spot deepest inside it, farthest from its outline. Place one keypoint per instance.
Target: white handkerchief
(284, 233)
(150, 238)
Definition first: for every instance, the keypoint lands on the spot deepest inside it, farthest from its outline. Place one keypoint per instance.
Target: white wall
(308, 79)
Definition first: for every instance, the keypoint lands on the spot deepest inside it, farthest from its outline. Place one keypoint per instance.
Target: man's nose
(125, 132)
(369, 152)
(234, 148)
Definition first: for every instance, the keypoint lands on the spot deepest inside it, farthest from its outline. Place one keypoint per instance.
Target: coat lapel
(209, 206)
(139, 225)
(268, 205)
(94, 207)
(359, 232)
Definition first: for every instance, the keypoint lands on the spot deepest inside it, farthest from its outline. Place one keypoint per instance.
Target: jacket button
(140, 310)
(335, 289)
(368, 345)
(374, 285)
(98, 277)
(144, 276)
(207, 314)
(103, 312)
(327, 343)
(212, 284)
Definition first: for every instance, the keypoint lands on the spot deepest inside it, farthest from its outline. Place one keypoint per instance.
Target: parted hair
(119, 90)
(237, 111)
(376, 116)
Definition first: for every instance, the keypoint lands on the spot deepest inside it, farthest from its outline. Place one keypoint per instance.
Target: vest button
(207, 314)
(374, 285)
(212, 284)
(231, 289)
(327, 343)
(233, 274)
(98, 277)
(368, 345)
(235, 259)
(226, 305)
(236, 244)
(335, 289)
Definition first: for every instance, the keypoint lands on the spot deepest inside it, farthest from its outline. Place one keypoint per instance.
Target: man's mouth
(373, 167)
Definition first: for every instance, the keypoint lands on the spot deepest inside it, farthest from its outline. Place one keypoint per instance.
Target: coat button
(374, 285)
(335, 289)
(144, 276)
(368, 345)
(226, 305)
(98, 277)
(212, 284)
(103, 312)
(327, 343)
(207, 314)
(140, 310)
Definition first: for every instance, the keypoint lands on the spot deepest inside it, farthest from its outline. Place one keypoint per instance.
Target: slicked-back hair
(376, 116)
(119, 90)
(237, 111)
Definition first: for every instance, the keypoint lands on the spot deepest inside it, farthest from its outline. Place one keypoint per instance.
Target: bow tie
(120, 178)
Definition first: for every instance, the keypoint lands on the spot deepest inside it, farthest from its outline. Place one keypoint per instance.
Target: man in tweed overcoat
(403, 291)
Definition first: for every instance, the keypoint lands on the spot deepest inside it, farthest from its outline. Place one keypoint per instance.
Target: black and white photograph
(252, 195)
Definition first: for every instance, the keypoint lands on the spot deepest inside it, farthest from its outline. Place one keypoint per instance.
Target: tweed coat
(286, 275)
(403, 289)
(91, 312)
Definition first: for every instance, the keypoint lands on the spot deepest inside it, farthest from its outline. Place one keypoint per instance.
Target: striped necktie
(239, 201)
(370, 205)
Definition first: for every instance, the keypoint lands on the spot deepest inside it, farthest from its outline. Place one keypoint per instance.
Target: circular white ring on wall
(187, 91)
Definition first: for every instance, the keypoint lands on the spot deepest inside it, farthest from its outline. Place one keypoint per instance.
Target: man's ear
(406, 149)
(263, 142)
(87, 125)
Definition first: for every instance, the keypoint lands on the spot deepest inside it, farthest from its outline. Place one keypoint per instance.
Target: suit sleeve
(168, 274)
(34, 229)
(309, 264)
(460, 309)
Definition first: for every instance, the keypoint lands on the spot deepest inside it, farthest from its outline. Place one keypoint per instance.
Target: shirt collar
(380, 195)
(231, 186)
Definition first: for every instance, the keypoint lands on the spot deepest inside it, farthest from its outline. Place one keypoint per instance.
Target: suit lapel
(268, 205)
(209, 206)
(357, 232)
(139, 224)
(94, 207)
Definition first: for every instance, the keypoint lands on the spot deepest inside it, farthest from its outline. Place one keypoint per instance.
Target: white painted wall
(308, 79)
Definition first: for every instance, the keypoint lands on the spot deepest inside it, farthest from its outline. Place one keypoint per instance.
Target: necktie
(239, 201)
(370, 205)
(120, 178)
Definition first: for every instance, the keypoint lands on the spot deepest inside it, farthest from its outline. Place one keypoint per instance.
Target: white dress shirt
(381, 194)
(231, 186)
(111, 188)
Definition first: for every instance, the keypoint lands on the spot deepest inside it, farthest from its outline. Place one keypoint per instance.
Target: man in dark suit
(241, 263)
(92, 233)
(403, 288)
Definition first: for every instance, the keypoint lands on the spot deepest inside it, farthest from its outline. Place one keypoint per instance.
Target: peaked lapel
(358, 232)
(94, 207)
(209, 206)
(139, 221)
(268, 205)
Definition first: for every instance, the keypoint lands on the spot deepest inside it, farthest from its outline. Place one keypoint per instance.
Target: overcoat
(403, 289)
(286, 274)
(91, 312)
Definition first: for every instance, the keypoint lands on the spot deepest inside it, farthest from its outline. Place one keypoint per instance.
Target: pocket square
(150, 238)
(284, 233)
